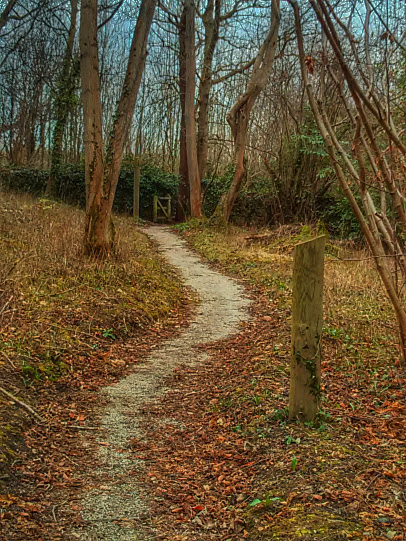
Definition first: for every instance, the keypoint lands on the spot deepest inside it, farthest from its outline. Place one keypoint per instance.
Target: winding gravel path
(115, 508)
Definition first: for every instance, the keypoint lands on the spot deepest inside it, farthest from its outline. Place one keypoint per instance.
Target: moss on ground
(299, 525)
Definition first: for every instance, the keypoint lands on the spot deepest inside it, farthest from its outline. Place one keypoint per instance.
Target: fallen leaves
(234, 449)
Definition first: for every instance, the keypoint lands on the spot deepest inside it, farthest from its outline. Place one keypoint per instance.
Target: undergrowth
(57, 307)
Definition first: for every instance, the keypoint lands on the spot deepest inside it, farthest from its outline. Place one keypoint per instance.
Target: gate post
(155, 209)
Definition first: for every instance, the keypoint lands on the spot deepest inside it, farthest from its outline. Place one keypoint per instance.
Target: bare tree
(182, 208)
(211, 20)
(64, 102)
(239, 115)
(374, 176)
(190, 128)
(102, 168)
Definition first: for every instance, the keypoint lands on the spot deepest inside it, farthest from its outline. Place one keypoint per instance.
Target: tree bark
(239, 115)
(190, 128)
(211, 21)
(183, 207)
(102, 171)
(136, 187)
(93, 138)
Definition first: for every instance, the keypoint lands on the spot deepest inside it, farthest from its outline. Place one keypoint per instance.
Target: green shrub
(71, 186)
(339, 218)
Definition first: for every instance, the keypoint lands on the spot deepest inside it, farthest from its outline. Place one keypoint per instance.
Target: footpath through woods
(179, 431)
(117, 505)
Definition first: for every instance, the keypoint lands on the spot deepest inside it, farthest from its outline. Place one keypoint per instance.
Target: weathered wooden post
(136, 194)
(307, 324)
(169, 208)
(155, 209)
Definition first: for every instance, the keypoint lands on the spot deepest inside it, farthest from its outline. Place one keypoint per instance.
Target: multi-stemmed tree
(102, 165)
(371, 168)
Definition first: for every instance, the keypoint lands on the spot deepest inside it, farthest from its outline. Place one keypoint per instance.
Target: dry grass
(356, 307)
(55, 304)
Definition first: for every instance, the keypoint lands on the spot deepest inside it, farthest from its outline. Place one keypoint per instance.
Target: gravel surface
(118, 509)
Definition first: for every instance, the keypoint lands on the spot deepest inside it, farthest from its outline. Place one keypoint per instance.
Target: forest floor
(202, 449)
(68, 327)
(250, 473)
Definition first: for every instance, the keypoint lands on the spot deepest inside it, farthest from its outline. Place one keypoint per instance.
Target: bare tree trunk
(211, 21)
(182, 209)
(239, 115)
(102, 172)
(137, 174)
(63, 103)
(96, 236)
(136, 188)
(191, 148)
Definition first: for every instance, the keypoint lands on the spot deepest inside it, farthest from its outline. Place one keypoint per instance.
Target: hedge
(71, 186)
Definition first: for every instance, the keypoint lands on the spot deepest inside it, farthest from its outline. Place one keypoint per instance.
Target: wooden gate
(162, 209)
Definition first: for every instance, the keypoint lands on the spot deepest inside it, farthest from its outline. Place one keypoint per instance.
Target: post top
(311, 240)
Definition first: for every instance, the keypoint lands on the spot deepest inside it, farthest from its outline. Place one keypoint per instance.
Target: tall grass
(356, 307)
(55, 303)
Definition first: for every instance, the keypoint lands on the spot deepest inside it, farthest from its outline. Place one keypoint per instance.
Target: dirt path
(117, 508)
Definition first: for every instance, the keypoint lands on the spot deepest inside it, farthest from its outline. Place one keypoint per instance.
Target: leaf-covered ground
(231, 467)
(225, 464)
(68, 326)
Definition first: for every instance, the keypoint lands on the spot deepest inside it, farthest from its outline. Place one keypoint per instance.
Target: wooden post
(169, 207)
(155, 209)
(136, 194)
(307, 324)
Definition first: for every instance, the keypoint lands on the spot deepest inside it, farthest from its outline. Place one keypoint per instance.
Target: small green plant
(320, 421)
(333, 332)
(267, 501)
(293, 463)
(280, 414)
(108, 333)
(290, 439)
(189, 225)
(323, 415)
(306, 232)
(311, 367)
(30, 374)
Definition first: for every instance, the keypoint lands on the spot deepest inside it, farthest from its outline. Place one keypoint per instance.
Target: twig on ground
(83, 427)
(6, 304)
(22, 404)
(8, 358)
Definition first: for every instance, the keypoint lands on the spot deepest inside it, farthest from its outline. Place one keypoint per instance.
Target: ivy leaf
(255, 502)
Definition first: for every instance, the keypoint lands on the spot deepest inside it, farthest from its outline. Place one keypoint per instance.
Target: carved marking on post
(307, 324)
